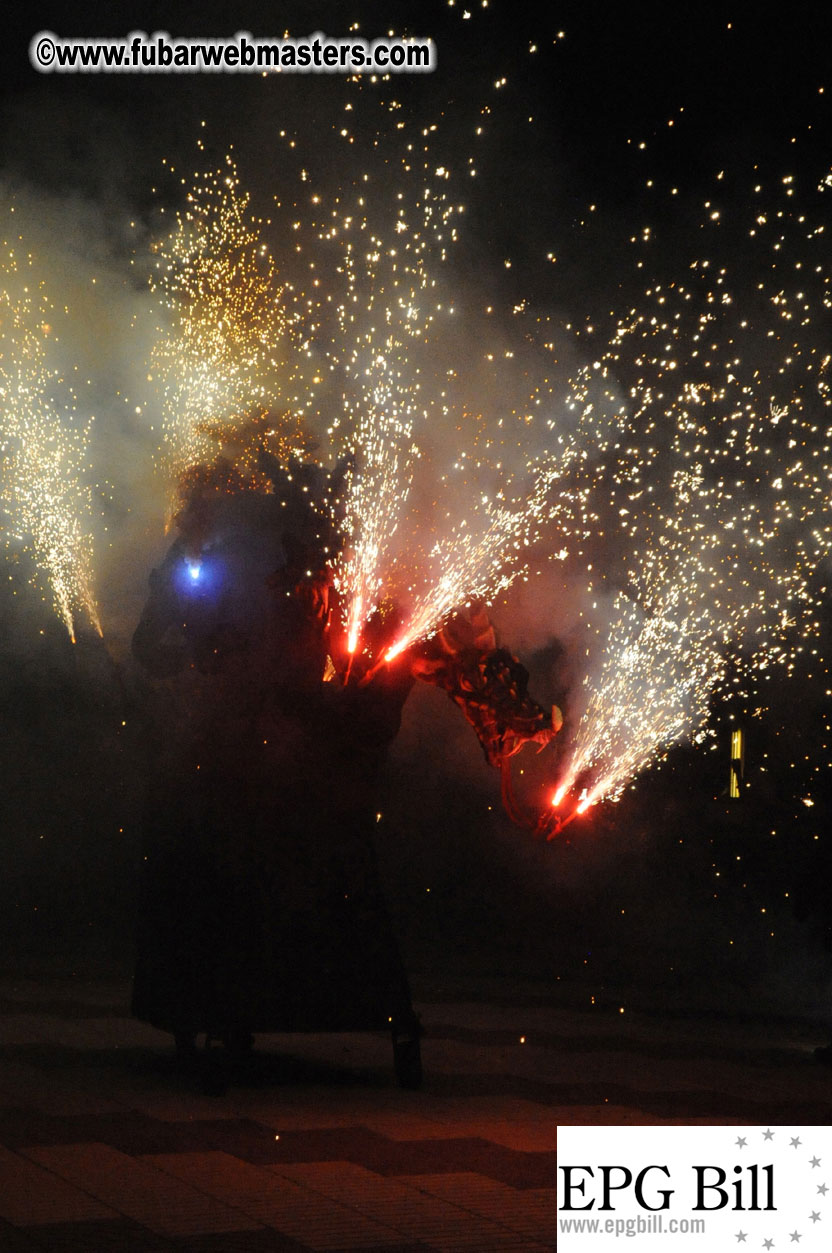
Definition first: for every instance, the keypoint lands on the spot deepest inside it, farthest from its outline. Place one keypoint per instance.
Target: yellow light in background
(737, 762)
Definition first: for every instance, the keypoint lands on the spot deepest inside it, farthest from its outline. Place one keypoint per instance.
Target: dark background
(675, 896)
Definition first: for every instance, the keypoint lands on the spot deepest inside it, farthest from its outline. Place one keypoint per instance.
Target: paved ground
(105, 1146)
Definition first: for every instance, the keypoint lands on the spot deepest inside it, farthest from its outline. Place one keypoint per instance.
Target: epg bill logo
(764, 1187)
(708, 1195)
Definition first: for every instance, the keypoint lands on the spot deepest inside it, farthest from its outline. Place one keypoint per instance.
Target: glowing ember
(355, 623)
(396, 650)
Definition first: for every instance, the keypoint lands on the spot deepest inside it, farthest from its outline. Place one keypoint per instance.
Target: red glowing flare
(559, 795)
(392, 653)
(584, 805)
(354, 631)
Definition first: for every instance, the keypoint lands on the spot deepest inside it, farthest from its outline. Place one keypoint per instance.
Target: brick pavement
(105, 1145)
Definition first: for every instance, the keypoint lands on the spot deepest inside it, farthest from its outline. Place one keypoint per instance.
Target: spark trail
(419, 527)
(47, 505)
(389, 315)
(216, 361)
(721, 498)
(686, 463)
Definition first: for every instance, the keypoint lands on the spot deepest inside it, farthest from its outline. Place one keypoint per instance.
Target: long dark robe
(261, 905)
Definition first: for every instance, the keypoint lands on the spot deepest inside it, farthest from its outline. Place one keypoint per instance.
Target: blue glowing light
(196, 577)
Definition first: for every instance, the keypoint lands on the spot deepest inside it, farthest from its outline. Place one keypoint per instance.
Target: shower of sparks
(659, 668)
(216, 360)
(48, 509)
(484, 554)
(378, 328)
(389, 313)
(393, 346)
(377, 481)
(684, 463)
(720, 498)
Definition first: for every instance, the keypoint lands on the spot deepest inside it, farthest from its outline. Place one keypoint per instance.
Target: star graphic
(740, 1142)
(768, 1135)
(823, 1189)
(741, 1237)
(795, 1142)
(768, 1244)
(816, 1161)
(815, 1216)
(794, 1236)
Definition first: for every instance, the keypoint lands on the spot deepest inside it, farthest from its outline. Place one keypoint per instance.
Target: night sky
(675, 894)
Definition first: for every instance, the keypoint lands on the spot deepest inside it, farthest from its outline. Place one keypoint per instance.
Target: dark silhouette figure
(261, 907)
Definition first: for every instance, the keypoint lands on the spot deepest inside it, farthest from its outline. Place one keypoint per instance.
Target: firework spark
(216, 360)
(720, 499)
(376, 350)
(686, 462)
(391, 346)
(47, 505)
